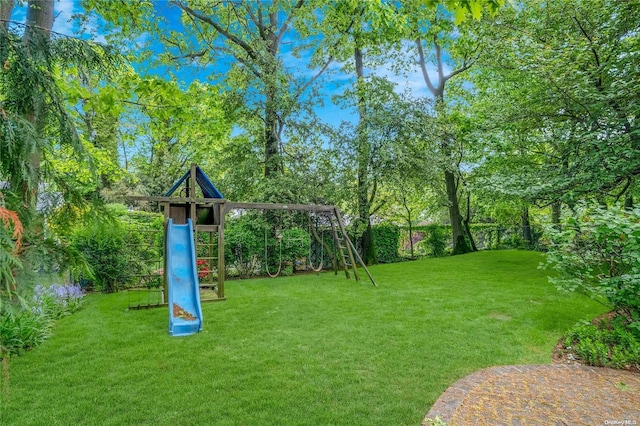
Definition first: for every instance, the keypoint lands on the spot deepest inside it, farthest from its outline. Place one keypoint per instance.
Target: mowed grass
(312, 349)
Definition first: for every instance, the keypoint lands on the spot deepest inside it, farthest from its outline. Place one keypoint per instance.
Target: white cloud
(409, 76)
(63, 11)
(406, 77)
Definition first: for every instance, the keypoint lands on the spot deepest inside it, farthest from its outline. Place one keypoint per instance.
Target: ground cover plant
(597, 253)
(309, 349)
(26, 324)
(605, 342)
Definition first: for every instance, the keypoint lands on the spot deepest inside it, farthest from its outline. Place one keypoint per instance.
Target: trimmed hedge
(387, 241)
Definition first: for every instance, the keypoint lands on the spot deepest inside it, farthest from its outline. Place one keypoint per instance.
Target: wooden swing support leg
(350, 249)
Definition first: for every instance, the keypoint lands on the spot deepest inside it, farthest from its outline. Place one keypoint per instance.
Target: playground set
(194, 235)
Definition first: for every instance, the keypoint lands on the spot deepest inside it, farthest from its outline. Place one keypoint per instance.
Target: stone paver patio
(554, 394)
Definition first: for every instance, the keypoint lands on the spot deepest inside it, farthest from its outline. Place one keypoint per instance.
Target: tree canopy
(452, 111)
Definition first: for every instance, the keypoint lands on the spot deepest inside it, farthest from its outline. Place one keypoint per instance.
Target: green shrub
(24, 326)
(598, 251)
(387, 241)
(436, 240)
(286, 270)
(22, 329)
(512, 240)
(244, 244)
(103, 246)
(605, 343)
(295, 246)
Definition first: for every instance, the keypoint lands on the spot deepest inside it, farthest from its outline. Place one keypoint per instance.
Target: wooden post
(210, 263)
(192, 195)
(166, 210)
(347, 244)
(221, 265)
(338, 247)
(165, 281)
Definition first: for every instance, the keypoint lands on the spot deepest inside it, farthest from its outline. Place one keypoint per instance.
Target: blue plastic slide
(185, 312)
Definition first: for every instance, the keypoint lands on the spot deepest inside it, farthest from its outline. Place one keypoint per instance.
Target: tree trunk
(6, 7)
(410, 222)
(467, 224)
(411, 252)
(369, 255)
(460, 244)
(39, 19)
(38, 31)
(271, 157)
(556, 210)
(270, 79)
(364, 152)
(526, 226)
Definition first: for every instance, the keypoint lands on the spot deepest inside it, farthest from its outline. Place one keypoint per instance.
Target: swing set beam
(230, 205)
(222, 206)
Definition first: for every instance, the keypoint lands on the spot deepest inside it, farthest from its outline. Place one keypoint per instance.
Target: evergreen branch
(53, 33)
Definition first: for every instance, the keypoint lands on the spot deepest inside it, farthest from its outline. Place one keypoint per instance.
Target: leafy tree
(452, 48)
(597, 251)
(392, 124)
(252, 35)
(246, 49)
(351, 29)
(558, 105)
(35, 124)
(97, 110)
(173, 127)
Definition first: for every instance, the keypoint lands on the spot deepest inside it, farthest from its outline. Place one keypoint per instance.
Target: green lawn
(315, 349)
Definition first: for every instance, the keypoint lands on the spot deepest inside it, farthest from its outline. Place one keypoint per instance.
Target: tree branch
(378, 207)
(593, 49)
(423, 67)
(624, 189)
(312, 79)
(222, 31)
(439, 64)
(191, 56)
(465, 66)
(287, 21)
(257, 21)
(373, 190)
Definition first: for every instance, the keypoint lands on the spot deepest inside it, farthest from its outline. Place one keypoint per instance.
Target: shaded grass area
(313, 349)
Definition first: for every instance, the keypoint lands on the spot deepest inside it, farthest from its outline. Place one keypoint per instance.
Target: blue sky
(334, 82)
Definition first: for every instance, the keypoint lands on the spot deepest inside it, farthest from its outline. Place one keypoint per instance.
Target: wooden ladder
(347, 251)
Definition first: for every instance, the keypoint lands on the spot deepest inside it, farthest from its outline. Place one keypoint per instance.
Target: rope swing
(311, 237)
(266, 253)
